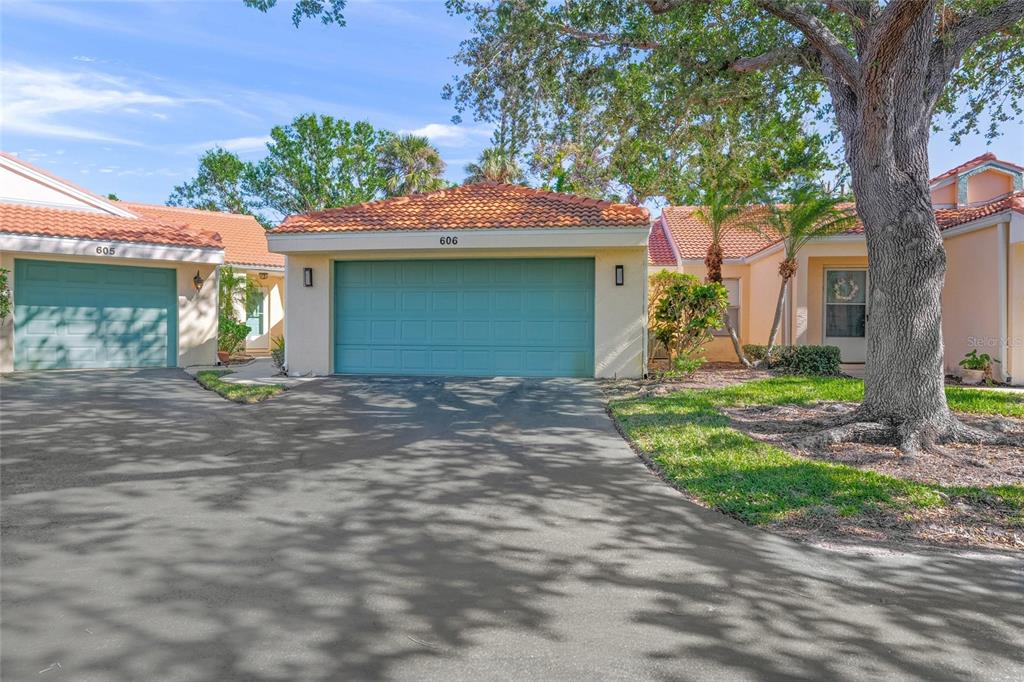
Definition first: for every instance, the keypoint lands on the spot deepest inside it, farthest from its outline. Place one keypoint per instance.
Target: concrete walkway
(433, 529)
(256, 371)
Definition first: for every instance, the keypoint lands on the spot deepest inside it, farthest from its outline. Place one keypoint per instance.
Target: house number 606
(449, 241)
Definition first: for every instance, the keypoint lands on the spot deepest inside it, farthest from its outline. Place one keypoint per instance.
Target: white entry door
(845, 312)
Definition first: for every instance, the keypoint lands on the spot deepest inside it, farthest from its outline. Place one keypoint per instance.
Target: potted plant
(277, 353)
(230, 337)
(976, 368)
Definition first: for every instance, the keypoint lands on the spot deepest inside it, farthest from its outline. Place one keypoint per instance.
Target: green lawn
(240, 393)
(691, 440)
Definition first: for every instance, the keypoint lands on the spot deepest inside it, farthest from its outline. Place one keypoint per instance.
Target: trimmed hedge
(817, 360)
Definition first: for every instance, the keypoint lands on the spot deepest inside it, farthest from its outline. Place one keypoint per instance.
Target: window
(733, 287)
(845, 303)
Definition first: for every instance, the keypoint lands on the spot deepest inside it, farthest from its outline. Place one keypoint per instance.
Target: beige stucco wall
(945, 194)
(197, 311)
(1015, 314)
(971, 308)
(619, 312)
(988, 184)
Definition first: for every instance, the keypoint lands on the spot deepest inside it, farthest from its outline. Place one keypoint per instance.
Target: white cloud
(83, 58)
(50, 103)
(451, 135)
(238, 145)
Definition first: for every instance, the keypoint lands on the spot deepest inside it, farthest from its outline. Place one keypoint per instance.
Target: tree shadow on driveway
(427, 529)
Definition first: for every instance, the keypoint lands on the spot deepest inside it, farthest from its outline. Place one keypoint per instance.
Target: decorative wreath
(845, 290)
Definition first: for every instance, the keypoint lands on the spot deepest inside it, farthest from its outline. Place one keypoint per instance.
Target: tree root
(912, 438)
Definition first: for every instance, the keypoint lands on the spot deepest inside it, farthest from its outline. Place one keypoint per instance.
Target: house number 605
(105, 250)
(449, 241)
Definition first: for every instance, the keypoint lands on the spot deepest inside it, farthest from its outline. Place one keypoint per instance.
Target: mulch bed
(711, 375)
(961, 523)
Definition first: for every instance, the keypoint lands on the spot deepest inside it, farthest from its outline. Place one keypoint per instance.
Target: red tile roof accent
(659, 249)
(951, 217)
(53, 222)
(692, 237)
(244, 239)
(968, 165)
(483, 205)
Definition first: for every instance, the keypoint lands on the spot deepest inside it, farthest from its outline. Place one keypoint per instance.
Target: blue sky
(123, 96)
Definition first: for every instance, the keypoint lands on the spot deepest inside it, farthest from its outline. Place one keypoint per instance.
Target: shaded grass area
(240, 393)
(692, 441)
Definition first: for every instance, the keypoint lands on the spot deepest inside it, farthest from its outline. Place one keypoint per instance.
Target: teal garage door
(84, 315)
(522, 317)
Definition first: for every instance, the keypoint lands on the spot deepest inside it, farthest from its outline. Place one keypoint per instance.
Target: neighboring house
(245, 250)
(479, 280)
(980, 210)
(97, 285)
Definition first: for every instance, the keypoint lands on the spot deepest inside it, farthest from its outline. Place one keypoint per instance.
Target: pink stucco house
(979, 206)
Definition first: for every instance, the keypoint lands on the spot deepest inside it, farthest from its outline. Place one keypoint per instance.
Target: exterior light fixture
(197, 281)
(620, 275)
(307, 277)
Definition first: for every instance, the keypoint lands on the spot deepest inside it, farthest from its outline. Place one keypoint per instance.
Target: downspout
(1004, 285)
(645, 294)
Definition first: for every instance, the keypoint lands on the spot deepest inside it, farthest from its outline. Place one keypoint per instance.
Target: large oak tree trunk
(904, 377)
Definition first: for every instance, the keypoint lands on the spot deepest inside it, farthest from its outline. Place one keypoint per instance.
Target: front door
(256, 317)
(846, 312)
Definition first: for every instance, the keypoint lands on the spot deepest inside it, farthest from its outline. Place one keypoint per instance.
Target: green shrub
(231, 335)
(819, 360)
(277, 352)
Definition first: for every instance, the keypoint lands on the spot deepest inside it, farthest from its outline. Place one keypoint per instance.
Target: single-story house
(979, 206)
(245, 251)
(97, 285)
(480, 280)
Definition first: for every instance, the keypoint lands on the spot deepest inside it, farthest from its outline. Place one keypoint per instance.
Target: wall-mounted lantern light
(620, 276)
(307, 277)
(197, 281)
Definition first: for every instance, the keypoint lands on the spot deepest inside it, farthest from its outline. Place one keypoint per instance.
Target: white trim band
(100, 248)
(453, 241)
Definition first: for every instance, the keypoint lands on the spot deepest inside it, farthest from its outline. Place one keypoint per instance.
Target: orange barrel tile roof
(474, 206)
(54, 222)
(244, 239)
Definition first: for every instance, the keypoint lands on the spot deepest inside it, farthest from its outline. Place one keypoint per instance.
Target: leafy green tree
(410, 164)
(219, 185)
(880, 72)
(495, 165)
(319, 162)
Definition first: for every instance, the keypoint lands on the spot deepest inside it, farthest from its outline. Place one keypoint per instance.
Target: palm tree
(494, 165)
(810, 212)
(725, 201)
(411, 164)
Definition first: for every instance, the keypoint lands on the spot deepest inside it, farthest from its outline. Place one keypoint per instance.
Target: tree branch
(888, 35)
(795, 55)
(819, 35)
(959, 34)
(604, 38)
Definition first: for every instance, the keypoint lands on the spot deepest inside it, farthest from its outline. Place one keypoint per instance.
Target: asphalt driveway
(431, 529)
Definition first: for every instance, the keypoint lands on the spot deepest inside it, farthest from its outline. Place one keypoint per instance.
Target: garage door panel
(85, 315)
(465, 317)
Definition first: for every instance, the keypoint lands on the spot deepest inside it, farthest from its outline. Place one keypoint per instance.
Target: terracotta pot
(972, 376)
(223, 357)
